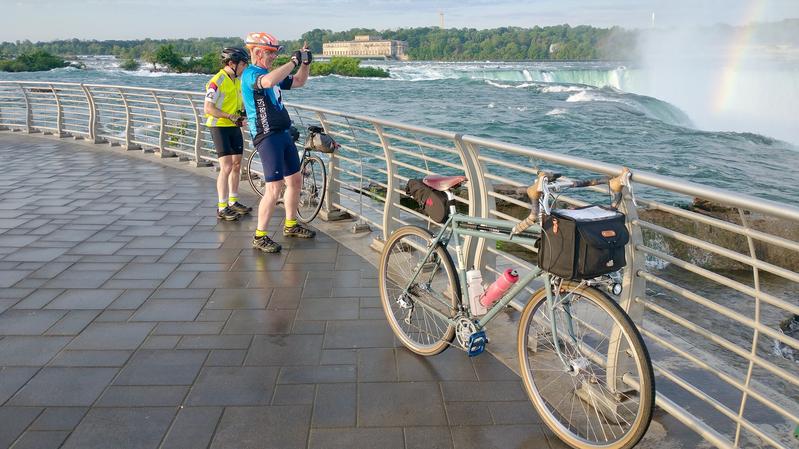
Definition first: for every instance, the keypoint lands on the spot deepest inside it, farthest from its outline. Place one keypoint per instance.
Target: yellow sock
(291, 223)
(260, 233)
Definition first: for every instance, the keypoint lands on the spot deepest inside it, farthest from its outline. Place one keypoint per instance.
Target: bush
(34, 61)
(130, 64)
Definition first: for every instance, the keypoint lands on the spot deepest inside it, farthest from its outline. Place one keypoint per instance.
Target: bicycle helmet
(261, 39)
(235, 54)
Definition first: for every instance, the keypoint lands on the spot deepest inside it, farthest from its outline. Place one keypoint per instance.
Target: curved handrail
(382, 154)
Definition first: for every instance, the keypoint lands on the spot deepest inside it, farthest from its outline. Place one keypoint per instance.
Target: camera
(304, 57)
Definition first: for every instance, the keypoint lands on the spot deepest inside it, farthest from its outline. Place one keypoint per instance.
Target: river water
(600, 111)
(663, 122)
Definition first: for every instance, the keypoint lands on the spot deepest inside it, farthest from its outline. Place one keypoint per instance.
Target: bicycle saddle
(442, 183)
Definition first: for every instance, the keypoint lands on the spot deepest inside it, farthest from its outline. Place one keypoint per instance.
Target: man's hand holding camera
(303, 56)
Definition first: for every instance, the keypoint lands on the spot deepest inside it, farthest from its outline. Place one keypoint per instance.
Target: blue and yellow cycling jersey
(225, 94)
(266, 114)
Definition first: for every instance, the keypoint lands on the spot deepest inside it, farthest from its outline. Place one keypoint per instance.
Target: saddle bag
(317, 140)
(583, 243)
(432, 202)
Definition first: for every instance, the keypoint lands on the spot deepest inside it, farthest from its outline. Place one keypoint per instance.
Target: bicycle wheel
(312, 191)
(419, 313)
(256, 182)
(574, 397)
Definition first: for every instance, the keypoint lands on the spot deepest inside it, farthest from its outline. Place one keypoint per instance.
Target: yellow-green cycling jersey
(225, 94)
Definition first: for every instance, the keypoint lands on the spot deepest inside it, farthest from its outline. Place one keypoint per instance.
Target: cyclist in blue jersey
(269, 123)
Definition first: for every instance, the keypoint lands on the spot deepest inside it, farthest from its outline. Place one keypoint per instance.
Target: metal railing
(709, 290)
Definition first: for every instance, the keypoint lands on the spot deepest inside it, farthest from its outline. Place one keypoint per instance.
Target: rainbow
(736, 52)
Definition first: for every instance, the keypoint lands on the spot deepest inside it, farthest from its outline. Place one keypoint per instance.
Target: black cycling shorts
(227, 140)
(279, 156)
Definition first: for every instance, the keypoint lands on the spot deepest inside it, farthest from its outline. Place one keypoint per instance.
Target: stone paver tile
(377, 365)
(59, 418)
(339, 357)
(161, 342)
(30, 351)
(12, 379)
(29, 254)
(122, 428)
(64, 387)
(182, 293)
(479, 437)
(358, 334)
(162, 367)
(226, 357)
(28, 322)
(260, 322)
(317, 374)
(238, 298)
(193, 428)
(233, 386)
(335, 406)
(112, 336)
(428, 438)
(33, 439)
(294, 395)
(448, 365)
(138, 271)
(15, 420)
(193, 328)
(517, 412)
(328, 309)
(85, 299)
(73, 322)
(131, 299)
(468, 413)
(39, 298)
(283, 350)
(113, 315)
(168, 310)
(391, 438)
(483, 391)
(400, 404)
(142, 396)
(91, 358)
(215, 342)
(274, 427)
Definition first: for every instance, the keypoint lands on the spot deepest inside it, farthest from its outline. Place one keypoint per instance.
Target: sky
(44, 20)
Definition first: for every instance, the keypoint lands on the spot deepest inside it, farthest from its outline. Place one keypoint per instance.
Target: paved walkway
(131, 318)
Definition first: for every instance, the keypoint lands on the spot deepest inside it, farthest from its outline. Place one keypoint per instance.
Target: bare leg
(291, 198)
(235, 173)
(225, 168)
(267, 205)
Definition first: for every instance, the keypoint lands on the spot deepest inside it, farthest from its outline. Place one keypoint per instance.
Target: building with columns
(367, 47)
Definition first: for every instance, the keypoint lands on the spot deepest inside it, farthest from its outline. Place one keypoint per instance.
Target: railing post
(332, 196)
(162, 128)
(633, 286)
(92, 115)
(129, 145)
(59, 119)
(481, 203)
(198, 144)
(390, 212)
(28, 110)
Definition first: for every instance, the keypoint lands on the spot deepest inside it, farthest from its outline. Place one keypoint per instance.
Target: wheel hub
(578, 365)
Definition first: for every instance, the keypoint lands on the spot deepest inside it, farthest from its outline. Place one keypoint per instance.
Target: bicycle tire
(420, 330)
(610, 422)
(257, 185)
(312, 189)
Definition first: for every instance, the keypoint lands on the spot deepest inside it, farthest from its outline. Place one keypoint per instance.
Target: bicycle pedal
(477, 343)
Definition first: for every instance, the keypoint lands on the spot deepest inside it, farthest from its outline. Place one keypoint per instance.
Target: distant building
(367, 47)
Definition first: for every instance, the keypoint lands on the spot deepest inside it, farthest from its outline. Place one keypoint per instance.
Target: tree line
(431, 43)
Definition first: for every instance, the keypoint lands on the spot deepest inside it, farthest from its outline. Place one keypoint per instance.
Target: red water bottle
(499, 287)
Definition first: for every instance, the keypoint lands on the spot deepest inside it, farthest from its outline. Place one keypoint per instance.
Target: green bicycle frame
(461, 225)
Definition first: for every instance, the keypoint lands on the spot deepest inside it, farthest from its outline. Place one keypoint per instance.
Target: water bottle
(499, 287)
(474, 284)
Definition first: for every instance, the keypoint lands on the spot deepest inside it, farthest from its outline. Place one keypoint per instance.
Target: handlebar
(546, 183)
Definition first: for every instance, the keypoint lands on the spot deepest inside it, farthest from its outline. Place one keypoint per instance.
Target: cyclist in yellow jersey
(224, 112)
